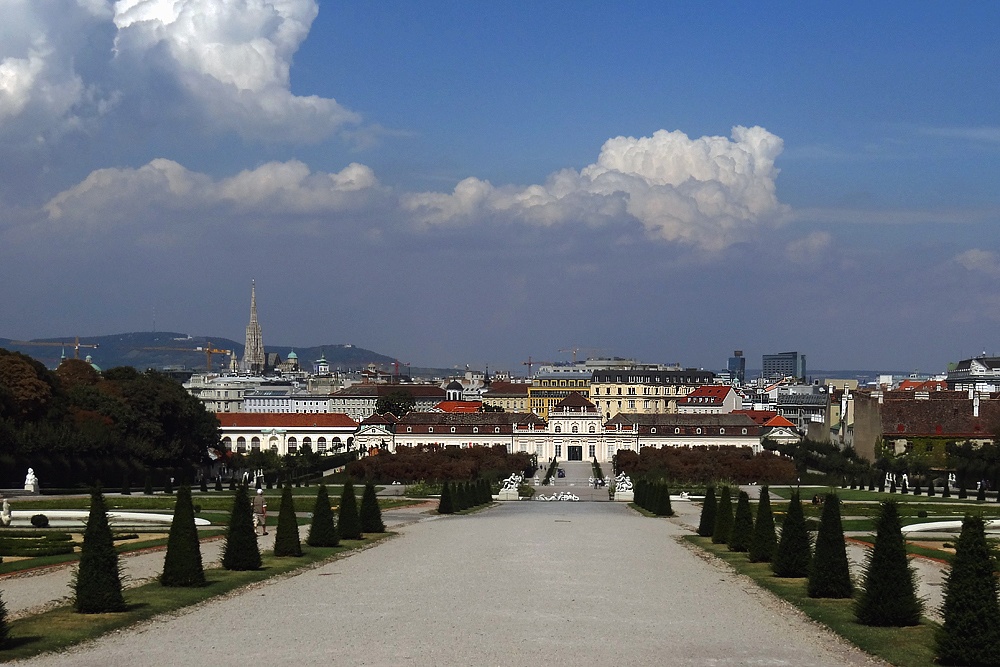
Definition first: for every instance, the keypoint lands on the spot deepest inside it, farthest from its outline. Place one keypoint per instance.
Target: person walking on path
(260, 511)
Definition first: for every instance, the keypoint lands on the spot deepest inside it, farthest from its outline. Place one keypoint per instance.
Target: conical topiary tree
(930, 488)
(323, 530)
(348, 521)
(461, 501)
(126, 484)
(232, 483)
(663, 506)
(182, 564)
(971, 631)
(204, 484)
(742, 533)
(765, 541)
(892, 485)
(218, 483)
(240, 552)
(981, 493)
(830, 573)
(946, 489)
(794, 552)
(447, 504)
(148, 484)
(286, 539)
(706, 526)
(723, 518)
(168, 484)
(904, 489)
(4, 625)
(888, 594)
(97, 583)
(371, 513)
(917, 491)
(962, 492)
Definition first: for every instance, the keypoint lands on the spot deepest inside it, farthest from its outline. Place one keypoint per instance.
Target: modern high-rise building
(738, 366)
(785, 364)
(253, 353)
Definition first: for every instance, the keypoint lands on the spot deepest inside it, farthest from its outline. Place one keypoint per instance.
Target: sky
(476, 183)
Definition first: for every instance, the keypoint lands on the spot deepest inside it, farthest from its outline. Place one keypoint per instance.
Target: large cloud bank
(223, 64)
(709, 193)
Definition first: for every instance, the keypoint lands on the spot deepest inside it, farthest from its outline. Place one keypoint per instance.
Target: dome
(455, 385)
(90, 360)
(292, 355)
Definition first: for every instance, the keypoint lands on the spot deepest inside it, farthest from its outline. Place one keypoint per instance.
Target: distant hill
(123, 350)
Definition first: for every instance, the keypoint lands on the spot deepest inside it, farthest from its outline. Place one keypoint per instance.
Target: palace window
(558, 429)
(475, 429)
(452, 429)
(321, 445)
(293, 444)
(496, 429)
(652, 430)
(593, 451)
(241, 444)
(409, 429)
(592, 430)
(576, 429)
(698, 430)
(677, 431)
(430, 429)
(558, 451)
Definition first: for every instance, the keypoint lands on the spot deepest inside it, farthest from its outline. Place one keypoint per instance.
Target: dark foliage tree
(981, 494)
(398, 402)
(706, 525)
(286, 539)
(917, 491)
(218, 483)
(830, 573)
(962, 492)
(723, 518)
(182, 564)
(126, 485)
(240, 551)
(4, 625)
(794, 551)
(148, 485)
(892, 485)
(904, 489)
(323, 530)
(742, 533)
(888, 595)
(447, 504)
(663, 506)
(204, 484)
(930, 488)
(971, 631)
(765, 541)
(371, 514)
(168, 485)
(232, 483)
(98, 585)
(348, 520)
(946, 489)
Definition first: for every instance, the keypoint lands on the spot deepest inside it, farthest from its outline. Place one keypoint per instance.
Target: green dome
(90, 360)
(292, 355)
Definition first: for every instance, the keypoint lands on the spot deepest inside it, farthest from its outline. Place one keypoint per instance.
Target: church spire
(253, 353)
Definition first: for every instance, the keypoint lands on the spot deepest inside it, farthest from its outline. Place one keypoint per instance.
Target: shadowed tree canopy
(398, 402)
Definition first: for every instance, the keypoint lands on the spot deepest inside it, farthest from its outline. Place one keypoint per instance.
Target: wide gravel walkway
(525, 583)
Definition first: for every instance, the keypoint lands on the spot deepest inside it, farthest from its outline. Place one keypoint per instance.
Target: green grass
(906, 647)
(876, 497)
(42, 561)
(60, 628)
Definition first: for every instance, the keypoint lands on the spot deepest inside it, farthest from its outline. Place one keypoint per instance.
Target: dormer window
(475, 429)
(496, 429)
(652, 430)
(430, 429)
(452, 429)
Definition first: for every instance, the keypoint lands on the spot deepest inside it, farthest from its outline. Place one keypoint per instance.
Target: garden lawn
(62, 627)
(906, 647)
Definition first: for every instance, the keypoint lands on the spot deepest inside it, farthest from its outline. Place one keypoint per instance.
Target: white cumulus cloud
(979, 261)
(113, 198)
(710, 192)
(221, 65)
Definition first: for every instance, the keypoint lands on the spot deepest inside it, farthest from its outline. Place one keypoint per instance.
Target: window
(619, 391)
(409, 429)
(698, 430)
(576, 429)
(452, 429)
(241, 444)
(652, 430)
(645, 405)
(722, 431)
(593, 451)
(227, 443)
(744, 431)
(430, 429)
(611, 451)
(558, 451)
(558, 429)
(255, 443)
(293, 444)
(320, 445)
(496, 429)
(475, 429)
(307, 441)
(677, 431)
(592, 429)
(631, 405)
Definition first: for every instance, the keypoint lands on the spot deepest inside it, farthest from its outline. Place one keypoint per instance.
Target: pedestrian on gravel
(259, 511)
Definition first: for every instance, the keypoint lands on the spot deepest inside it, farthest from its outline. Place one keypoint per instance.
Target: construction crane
(529, 363)
(397, 363)
(574, 350)
(207, 349)
(76, 345)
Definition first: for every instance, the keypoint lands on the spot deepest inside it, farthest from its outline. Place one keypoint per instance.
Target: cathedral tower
(253, 354)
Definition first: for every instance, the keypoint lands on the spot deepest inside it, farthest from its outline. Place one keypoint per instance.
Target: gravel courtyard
(527, 583)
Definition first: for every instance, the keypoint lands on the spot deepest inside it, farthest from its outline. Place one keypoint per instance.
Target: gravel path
(523, 583)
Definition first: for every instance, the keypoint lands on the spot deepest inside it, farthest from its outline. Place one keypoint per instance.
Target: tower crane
(574, 350)
(529, 363)
(207, 349)
(76, 345)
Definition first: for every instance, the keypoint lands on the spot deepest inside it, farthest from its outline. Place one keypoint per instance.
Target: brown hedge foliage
(694, 465)
(434, 463)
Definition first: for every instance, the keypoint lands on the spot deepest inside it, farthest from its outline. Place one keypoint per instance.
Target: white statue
(623, 483)
(512, 482)
(5, 517)
(31, 482)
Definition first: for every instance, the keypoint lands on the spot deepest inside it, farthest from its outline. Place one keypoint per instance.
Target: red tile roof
(285, 420)
(459, 406)
(777, 421)
(714, 393)
(759, 416)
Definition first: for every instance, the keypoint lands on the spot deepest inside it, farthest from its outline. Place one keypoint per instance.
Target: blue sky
(458, 183)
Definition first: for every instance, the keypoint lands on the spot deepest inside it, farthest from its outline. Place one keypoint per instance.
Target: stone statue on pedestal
(31, 482)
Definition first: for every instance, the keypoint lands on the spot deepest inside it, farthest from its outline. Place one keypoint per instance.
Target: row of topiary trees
(464, 495)
(97, 582)
(887, 596)
(653, 497)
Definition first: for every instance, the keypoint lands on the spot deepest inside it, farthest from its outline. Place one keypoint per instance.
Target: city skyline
(449, 184)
